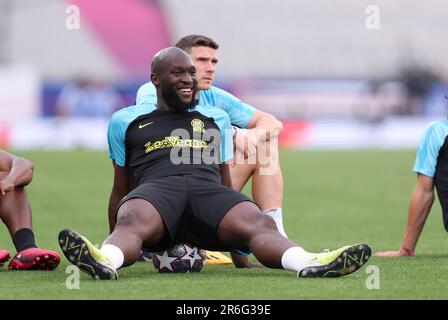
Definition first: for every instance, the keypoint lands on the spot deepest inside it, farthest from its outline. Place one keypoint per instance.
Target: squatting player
(431, 166)
(177, 154)
(267, 185)
(15, 211)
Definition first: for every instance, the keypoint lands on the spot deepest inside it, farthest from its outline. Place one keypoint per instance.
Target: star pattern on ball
(165, 260)
(192, 255)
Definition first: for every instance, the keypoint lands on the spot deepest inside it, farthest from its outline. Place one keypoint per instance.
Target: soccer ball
(181, 258)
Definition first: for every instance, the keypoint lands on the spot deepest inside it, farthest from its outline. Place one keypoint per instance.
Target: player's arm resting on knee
(121, 187)
(19, 172)
(419, 207)
(261, 127)
(267, 126)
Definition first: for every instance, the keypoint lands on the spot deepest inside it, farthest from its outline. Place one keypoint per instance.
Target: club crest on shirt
(198, 125)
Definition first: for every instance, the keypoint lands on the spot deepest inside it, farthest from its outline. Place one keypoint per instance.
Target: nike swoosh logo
(144, 125)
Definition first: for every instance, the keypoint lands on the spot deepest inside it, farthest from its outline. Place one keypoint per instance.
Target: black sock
(24, 239)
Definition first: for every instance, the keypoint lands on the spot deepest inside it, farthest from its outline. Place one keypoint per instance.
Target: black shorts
(191, 208)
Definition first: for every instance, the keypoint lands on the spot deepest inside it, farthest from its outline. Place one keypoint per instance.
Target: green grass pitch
(331, 199)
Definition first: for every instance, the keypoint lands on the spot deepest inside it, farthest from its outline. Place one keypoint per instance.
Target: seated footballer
(172, 159)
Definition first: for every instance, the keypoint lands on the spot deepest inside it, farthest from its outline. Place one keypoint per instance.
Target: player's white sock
(296, 258)
(277, 215)
(114, 254)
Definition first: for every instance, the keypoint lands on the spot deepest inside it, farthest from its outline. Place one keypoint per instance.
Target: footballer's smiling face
(178, 82)
(205, 60)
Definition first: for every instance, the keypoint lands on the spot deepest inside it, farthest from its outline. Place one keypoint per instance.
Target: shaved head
(166, 57)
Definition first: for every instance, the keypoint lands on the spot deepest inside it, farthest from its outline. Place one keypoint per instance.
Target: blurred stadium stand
(311, 63)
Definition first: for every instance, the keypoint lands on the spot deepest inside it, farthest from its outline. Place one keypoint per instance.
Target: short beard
(171, 97)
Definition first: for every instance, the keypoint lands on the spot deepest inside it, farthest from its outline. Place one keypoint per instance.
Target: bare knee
(127, 217)
(243, 222)
(140, 218)
(266, 222)
(255, 219)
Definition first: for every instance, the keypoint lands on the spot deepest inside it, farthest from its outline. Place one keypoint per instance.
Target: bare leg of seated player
(267, 185)
(139, 223)
(15, 211)
(267, 189)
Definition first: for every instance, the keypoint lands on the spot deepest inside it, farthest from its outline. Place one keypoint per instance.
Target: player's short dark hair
(195, 40)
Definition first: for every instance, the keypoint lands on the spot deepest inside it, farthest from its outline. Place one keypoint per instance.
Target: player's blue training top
(239, 112)
(431, 143)
(432, 161)
(142, 137)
